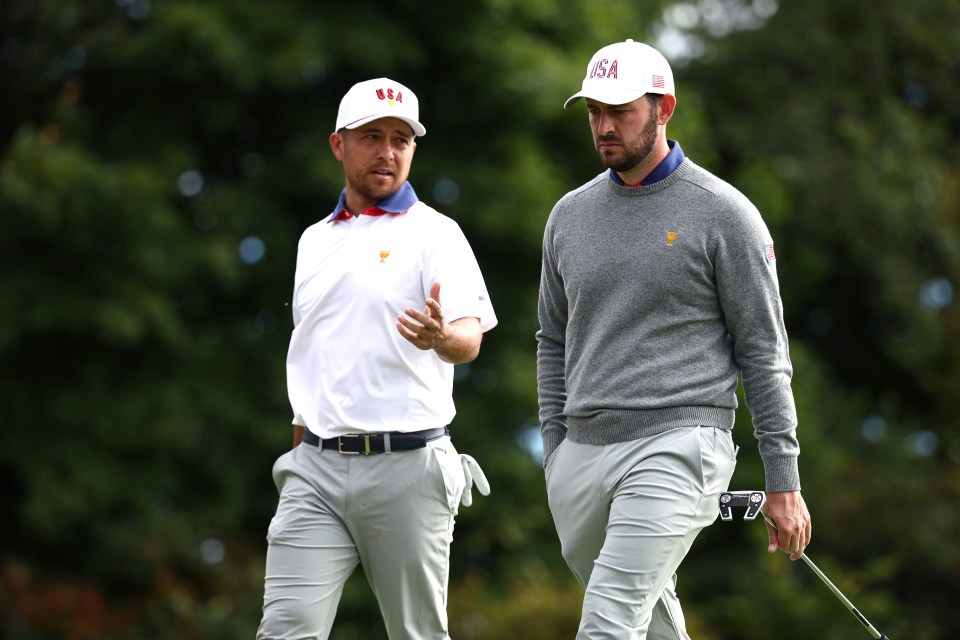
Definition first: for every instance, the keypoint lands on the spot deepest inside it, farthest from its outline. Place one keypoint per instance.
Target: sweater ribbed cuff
(552, 437)
(782, 474)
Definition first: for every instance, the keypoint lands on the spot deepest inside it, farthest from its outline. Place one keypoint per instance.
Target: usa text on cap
(379, 98)
(622, 72)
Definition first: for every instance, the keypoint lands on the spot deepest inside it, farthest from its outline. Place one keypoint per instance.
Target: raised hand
(425, 329)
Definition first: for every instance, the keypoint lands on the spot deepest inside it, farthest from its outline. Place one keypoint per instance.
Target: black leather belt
(356, 444)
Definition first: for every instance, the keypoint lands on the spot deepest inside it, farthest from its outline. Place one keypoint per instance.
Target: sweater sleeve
(551, 342)
(749, 294)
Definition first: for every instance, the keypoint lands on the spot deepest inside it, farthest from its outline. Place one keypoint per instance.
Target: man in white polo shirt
(387, 297)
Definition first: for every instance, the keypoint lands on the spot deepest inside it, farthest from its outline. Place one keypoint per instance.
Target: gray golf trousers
(391, 513)
(627, 514)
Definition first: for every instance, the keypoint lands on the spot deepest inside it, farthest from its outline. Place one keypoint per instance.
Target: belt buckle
(366, 444)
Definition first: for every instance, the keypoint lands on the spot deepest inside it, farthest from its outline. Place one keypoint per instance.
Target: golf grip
(849, 605)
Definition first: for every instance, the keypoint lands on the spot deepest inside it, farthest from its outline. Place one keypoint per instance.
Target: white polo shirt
(348, 368)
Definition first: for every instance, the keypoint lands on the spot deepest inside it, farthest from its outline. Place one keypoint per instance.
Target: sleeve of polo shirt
(298, 276)
(463, 292)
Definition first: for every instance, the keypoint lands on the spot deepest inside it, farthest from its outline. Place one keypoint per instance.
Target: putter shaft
(849, 605)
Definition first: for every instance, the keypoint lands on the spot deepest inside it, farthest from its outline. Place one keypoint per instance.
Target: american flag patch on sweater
(768, 252)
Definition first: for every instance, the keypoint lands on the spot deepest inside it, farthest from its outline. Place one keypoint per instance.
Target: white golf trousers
(627, 514)
(391, 513)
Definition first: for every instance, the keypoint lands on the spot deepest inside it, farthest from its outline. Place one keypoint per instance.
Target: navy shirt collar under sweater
(667, 166)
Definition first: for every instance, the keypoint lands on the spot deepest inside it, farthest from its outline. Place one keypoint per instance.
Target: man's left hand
(425, 329)
(455, 342)
(788, 512)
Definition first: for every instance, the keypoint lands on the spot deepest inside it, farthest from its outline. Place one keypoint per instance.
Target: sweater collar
(667, 166)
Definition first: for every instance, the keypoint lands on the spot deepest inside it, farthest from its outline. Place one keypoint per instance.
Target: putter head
(752, 500)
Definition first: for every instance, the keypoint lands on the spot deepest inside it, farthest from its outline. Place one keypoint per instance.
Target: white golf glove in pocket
(473, 474)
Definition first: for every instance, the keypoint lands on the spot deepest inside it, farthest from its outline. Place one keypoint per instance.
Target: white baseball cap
(379, 98)
(622, 72)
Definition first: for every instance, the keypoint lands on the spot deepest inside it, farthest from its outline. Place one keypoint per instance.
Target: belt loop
(386, 443)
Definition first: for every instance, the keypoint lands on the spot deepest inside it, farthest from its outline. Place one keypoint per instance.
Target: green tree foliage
(159, 160)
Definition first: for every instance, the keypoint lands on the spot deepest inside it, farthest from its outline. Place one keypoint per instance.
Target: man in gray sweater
(658, 289)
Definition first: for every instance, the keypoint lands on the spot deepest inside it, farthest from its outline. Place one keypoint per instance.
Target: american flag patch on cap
(658, 82)
(768, 252)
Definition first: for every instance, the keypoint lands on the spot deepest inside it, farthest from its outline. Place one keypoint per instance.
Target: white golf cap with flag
(379, 98)
(622, 72)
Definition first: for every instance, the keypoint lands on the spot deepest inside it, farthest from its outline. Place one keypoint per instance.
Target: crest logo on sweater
(671, 236)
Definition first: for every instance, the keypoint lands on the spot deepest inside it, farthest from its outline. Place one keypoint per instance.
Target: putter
(754, 501)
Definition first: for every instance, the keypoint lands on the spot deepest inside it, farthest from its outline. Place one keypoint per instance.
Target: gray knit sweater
(652, 301)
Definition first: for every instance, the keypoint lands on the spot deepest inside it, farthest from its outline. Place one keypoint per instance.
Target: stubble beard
(374, 193)
(635, 152)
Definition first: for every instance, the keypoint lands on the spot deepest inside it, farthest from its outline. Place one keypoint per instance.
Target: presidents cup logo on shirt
(390, 95)
(384, 253)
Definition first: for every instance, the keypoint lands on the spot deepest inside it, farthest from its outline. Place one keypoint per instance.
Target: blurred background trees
(159, 160)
